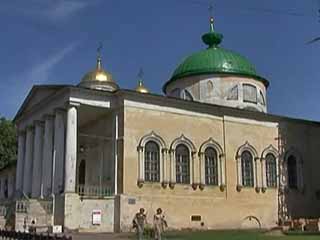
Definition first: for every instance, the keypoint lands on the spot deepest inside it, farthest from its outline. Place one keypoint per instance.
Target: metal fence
(13, 235)
(97, 191)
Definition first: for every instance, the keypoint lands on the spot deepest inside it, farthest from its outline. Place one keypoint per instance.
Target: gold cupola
(141, 88)
(99, 79)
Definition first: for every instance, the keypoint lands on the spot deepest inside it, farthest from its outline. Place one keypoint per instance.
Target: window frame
(153, 161)
(212, 176)
(183, 163)
(271, 183)
(295, 169)
(249, 183)
(243, 93)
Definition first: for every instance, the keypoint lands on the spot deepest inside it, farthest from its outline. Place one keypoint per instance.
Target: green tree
(8, 142)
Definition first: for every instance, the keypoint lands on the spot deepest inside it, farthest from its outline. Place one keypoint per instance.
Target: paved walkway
(102, 236)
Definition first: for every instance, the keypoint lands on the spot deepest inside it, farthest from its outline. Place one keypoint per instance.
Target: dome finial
(212, 39)
(211, 17)
(99, 59)
(141, 88)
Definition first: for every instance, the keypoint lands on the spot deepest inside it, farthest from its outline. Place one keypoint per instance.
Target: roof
(215, 60)
(35, 89)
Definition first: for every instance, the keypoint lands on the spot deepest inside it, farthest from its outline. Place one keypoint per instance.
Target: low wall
(78, 213)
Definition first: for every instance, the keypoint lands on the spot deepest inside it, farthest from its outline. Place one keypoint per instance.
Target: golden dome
(141, 88)
(99, 79)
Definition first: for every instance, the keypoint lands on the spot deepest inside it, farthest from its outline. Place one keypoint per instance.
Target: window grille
(182, 164)
(211, 166)
(152, 162)
(247, 169)
(271, 170)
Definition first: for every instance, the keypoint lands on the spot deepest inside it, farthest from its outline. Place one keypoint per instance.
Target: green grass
(233, 235)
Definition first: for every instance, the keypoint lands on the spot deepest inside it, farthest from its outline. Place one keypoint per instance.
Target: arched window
(261, 99)
(152, 162)
(82, 172)
(249, 93)
(233, 93)
(271, 170)
(211, 166)
(182, 164)
(292, 172)
(187, 95)
(247, 169)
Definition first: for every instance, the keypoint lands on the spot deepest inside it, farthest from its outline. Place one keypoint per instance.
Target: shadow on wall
(296, 198)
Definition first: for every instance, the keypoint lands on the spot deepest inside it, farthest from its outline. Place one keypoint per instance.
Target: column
(164, 172)
(71, 149)
(58, 150)
(239, 173)
(20, 162)
(140, 165)
(202, 169)
(37, 162)
(263, 173)
(47, 156)
(27, 176)
(223, 165)
(257, 171)
(172, 168)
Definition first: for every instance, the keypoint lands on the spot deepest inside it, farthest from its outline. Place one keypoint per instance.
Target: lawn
(233, 235)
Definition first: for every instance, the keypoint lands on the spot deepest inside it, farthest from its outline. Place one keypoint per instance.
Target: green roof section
(215, 60)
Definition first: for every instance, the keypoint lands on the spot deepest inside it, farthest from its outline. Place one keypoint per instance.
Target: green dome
(213, 60)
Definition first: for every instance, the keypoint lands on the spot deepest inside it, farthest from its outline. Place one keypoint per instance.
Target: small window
(261, 99)
(271, 170)
(175, 93)
(233, 93)
(152, 162)
(292, 172)
(182, 164)
(249, 93)
(247, 169)
(187, 95)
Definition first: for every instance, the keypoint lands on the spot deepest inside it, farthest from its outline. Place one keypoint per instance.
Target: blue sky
(55, 42)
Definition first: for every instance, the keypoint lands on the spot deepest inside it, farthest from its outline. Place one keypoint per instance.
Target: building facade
(207, 152)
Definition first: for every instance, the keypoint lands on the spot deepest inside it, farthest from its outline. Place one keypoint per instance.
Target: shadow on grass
(233, 235)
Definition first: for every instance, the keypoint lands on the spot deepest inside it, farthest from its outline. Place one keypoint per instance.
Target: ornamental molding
(293, 151)
(183, 140)
(270, 149)
(211, 143)
(247, 147)
(152, 136)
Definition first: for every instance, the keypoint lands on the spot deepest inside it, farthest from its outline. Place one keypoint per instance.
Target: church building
(207, 151)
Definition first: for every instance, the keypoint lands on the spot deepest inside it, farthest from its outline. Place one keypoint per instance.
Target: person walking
(159, 223)
(139, 220)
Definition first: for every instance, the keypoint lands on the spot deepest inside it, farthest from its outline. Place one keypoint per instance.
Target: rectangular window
(249, 93)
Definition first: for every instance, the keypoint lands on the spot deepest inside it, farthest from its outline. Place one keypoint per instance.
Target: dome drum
(221, 89)
(225, 70)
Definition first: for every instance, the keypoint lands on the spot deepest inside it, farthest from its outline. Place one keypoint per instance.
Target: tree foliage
(8, 142)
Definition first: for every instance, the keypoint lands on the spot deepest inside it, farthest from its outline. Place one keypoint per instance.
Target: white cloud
(40, 72)
(63, 9)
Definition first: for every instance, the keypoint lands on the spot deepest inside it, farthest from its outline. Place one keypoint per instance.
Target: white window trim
(269, 150)
(163, 157)
(221, 161)
(192, 150)
(256, 165)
